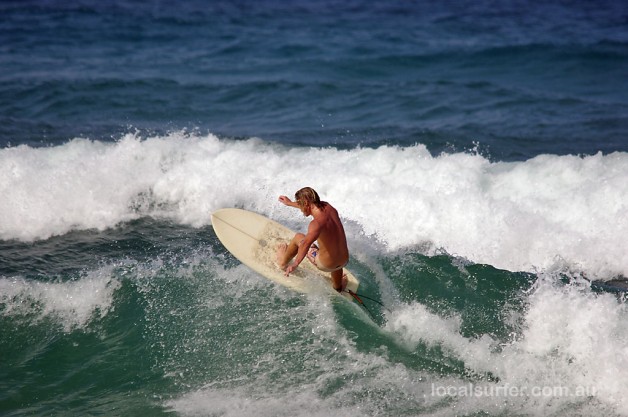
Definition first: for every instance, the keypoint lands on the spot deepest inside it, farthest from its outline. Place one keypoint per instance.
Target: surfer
(325, 243)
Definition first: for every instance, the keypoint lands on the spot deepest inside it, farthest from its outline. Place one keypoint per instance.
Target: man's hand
(285, 200)
(289, 269)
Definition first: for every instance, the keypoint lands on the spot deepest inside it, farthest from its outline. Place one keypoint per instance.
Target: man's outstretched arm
(286, 200)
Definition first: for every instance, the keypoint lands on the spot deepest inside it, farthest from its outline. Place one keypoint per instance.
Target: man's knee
(298, 238)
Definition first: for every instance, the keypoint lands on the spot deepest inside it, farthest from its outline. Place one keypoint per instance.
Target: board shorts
(312, 255)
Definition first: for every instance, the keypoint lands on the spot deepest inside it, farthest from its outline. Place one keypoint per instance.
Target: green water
(151, 319)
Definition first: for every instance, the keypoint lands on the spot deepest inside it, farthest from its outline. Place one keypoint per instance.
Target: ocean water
(477, 152)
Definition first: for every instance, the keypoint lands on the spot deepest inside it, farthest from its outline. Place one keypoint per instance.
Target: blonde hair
(307, 194)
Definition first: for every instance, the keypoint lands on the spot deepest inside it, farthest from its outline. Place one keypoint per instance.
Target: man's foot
(281, 255)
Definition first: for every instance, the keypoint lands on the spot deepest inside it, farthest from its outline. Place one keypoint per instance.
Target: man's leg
(285, 252)
(338, 280)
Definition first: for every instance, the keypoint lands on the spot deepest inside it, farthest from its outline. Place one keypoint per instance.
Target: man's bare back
(332, 241)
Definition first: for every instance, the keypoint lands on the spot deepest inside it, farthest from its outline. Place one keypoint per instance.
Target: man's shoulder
(330, 210)
(317, 223)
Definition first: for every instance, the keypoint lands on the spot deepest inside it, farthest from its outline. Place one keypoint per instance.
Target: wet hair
(307, 194)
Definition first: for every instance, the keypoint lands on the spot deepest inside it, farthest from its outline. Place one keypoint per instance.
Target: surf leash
(358, 297)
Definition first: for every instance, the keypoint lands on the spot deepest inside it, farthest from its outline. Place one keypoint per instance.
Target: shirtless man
(331, 254)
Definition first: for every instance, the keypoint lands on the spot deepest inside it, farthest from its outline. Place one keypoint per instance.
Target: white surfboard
(253, 240)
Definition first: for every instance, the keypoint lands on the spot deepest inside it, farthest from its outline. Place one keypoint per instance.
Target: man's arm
(285, 200)
(313, 231)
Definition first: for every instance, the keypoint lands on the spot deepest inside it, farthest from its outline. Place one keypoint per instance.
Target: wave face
(165, 321)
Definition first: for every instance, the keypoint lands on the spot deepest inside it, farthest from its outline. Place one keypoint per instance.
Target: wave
(546, 212)
(71, 304)
(218, 332)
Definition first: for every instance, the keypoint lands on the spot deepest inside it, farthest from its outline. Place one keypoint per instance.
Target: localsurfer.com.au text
(507, 390)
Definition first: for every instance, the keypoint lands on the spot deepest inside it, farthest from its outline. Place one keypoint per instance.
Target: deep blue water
(477, 152)
(519, 78)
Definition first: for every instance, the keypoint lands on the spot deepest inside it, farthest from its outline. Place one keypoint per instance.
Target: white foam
(414, 323)
(71, 303)
(570, 351)
(519, 216)
(583, 335)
